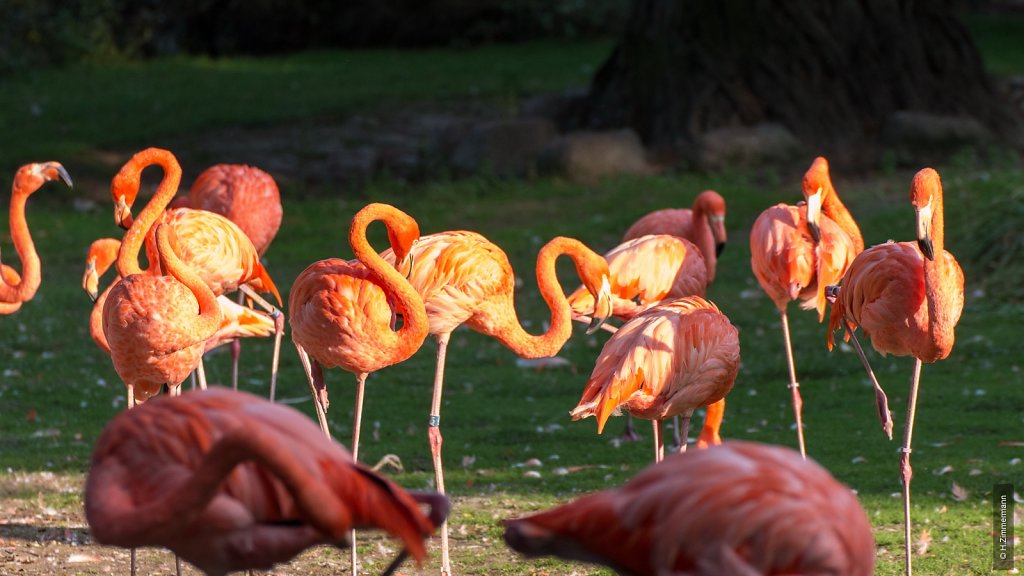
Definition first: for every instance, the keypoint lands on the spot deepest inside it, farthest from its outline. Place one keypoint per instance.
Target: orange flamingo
(18, 288)
(668, 360)
(795, 251)
(704, 225)
(907, 297)
(149, 320)
(223, 256)
(738, 508)
(230, 481)
(465, 279)
(645, 271)
(238, 321)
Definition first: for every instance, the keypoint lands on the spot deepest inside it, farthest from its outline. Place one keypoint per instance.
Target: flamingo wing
(671, 221)
(246, 195)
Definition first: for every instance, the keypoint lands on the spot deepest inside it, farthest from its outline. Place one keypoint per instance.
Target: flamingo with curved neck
(907, 297)
(18, 288)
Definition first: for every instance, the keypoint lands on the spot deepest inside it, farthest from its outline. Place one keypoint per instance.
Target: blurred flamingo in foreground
(464, 278)
(704, 225)
(795, 251)
(230, 481)
(14, 288)
(740, 508)
(668, 360)
(907, 297)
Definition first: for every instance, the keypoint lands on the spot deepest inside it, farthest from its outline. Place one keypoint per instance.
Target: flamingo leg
(659, 442)
(709, 434)
(685, 431)
(201, 372)
(679, 440)
(321, 411)
(881, 400)
(177, 565)
(629, 434)
(236, 349)
(905, 471)
(434, 436)
(130, 393)
(278, 317)
(131, 555)
(360, 387)
(798, 402)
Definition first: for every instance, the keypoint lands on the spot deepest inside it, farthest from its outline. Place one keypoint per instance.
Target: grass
(57, 390)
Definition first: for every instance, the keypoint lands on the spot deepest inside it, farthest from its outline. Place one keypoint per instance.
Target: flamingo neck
(128, 256)
(938, 291)
(96, 319)
(31, 275)
(550, 342)
(209, 319)
(834, 208)
(409, 303)
(704, 240)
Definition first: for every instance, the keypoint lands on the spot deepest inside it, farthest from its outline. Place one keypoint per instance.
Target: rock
(554, 107)
(920, 137)
(505, 147)
(587, 156)
(747, 146)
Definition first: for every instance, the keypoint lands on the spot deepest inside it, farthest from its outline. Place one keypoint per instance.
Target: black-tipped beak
(93, 295)
(122, 214)
(64, 176)
(814, 230)
(925, 244)
(719, 248)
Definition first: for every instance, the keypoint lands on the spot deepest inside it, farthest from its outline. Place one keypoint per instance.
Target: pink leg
(881, 400)
(684, 431)
(798, 402)
(201, 372)
(276, 359)
(905, 471)
(236, 355)
(659, 442)
(321, 410)
(360, 387)
(630, 434)
(434, 436)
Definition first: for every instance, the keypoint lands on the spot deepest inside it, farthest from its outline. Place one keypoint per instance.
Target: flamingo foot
(629, 434)
(884, 415)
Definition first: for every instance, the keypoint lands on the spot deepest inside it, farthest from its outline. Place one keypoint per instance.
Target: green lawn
(57, 390)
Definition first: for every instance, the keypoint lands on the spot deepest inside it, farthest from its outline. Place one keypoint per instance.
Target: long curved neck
(209, 311)
(704, 240)
(96, 319)
(834, 208)
(415, 324)
(937, 289)
(30, 267)
(549, 343)
(128, 257)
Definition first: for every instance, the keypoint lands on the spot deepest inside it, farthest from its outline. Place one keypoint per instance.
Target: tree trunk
(831, 71)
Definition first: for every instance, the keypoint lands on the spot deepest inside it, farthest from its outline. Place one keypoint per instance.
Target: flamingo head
(124, 188)
(925, 186)
(403, 234)
(816, 186)
(593, 270)
(102, 254)
(712, 205)
(91, 279)
(31, 177)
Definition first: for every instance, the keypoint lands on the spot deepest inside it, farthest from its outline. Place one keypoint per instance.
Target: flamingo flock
(230, 481)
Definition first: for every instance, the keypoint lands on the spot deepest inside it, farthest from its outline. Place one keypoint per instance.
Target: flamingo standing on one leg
(644, 271)
(247, 196)
(14, 288)
(230, 481)
(739, 508)
(668, 360)
(795, 251)
(223, 256)
(907, 297)
(704, 225)
(340, 313)
(466, 279)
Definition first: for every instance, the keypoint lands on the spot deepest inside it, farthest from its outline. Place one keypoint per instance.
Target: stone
(746, 146)
(588, 156)
(504, 147)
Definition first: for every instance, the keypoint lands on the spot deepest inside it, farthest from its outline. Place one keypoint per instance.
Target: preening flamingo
(907, 297)
(704, 225)
(795, 251)
(223, 256)
(740, 508)
(150, 320)
(465, 279)
(230, 481)
(668, 360)
(340, 313)
(238, 321)
(14, 288)
(643, 272)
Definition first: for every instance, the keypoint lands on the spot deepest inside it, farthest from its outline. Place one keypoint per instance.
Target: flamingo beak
(924, 225)
(90, 280)
(602, 306)
(122, 213)
(717, 224)
(814, 215)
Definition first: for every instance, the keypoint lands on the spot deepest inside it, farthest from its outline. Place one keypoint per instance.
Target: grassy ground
(57, 390)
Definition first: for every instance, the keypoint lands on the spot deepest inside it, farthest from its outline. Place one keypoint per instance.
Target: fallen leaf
(858, 460)
(959, 492)
(923, 541)
(944, 470)
(531, 474)
(31, 416)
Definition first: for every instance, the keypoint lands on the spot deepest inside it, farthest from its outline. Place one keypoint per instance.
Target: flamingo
(645, 271)
(907, 297)
(238, 321)
(668, 360)
(739, 508)
(704, 225)
(340, 313)
(465, 279)
(150, 320)
(18, 288)
(795, 251)
(248, 197)
(223, 256)
(230, 481)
